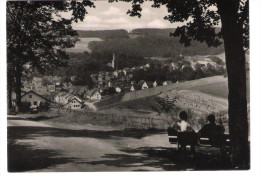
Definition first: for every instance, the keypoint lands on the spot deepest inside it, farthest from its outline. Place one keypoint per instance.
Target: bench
(191, 138)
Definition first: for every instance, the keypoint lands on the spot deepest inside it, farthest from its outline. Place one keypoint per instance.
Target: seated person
(186, 135)
(182, 125)
(212, 131)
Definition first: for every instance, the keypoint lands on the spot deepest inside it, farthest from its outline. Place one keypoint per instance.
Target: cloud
(146, 11)
(120, 20)
(157, 24)
(113, 11)
(92, 19)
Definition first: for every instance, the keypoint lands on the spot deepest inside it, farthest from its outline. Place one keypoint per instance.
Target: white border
(255, 116)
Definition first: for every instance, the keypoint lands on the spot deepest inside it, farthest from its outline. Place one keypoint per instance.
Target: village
(58, 94)
(127, 85)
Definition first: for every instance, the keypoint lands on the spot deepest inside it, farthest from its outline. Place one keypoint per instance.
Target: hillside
(82, 45)
(150, 46)
(203, 95)
(103, 34)
(142, 42)
(201, 85)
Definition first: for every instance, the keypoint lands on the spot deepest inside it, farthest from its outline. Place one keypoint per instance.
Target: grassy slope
(216, 86)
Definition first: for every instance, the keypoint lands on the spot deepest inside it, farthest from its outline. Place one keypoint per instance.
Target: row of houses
(147, 84)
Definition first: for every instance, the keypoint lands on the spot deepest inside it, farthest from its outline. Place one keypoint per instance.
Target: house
(41, 90)
(155, 84)
(144, 86)
(147, 66)
(207, 59)
(93, 94)
(165, 83)
(33, 98)
(51, 88)
(118, 89)
(72, 78)
(96, 96)
(62, 97)
(74, 103)
(124, 72)
(132, 88)
(115, 73)
(109, 84)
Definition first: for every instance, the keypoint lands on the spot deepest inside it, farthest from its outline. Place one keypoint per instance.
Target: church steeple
(113, 61)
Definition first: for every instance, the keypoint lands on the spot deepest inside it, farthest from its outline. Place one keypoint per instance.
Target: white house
(147, 66)
(63, 97)
(74, 103)
(33, 98)
(132, 88)
(118, 90)
(165, 83)
(154, 84)
(144, 86)
(109, 84)
(93, 95)
(115, 73)
(96, 96)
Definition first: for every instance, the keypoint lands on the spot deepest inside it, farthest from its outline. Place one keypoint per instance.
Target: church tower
(113, 61)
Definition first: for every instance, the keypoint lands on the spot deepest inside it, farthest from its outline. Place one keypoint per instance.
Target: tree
(165, 105)
(37, 35)
(201, 18)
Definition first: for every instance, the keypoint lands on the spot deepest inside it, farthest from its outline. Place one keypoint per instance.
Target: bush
(44, 106)
(25, 106)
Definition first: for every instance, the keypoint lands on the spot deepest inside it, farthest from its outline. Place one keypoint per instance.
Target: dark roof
(37, 95)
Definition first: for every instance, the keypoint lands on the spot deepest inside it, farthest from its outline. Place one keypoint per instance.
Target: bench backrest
(189, 137)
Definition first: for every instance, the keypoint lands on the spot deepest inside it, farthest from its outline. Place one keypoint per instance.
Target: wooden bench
(191, 138)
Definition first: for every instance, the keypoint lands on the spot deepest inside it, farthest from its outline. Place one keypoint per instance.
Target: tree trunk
(235, 61)
(18, 85)
(9, 90)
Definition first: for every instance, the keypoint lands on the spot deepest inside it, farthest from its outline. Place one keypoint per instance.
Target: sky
(108, 16)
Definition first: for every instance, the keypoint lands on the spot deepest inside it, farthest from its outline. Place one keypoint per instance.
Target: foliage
(149, 46)
(25, 107)
(187, 73)
(166, 106)
(109, 91)
(44, 106)
(217, 60)
(103, 34)
(200, 18)
(37, 35)
(83, 79)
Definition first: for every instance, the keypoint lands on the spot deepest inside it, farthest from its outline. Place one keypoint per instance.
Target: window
(35, 103)
(30, 96)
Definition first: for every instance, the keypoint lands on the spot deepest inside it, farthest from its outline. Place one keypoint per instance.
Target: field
(82, 45)
(142, 102)
(201, 97)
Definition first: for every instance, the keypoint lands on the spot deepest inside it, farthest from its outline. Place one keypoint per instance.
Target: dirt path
(45, 146)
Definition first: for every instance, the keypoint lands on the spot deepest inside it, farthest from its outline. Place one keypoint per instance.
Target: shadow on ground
(168, 159)
(25, 132)
(26, 158)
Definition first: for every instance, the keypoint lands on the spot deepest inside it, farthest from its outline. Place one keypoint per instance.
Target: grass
(82, 45)
(109, 101)
(219, 89)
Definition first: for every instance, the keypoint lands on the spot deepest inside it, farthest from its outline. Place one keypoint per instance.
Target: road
(37, 146)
